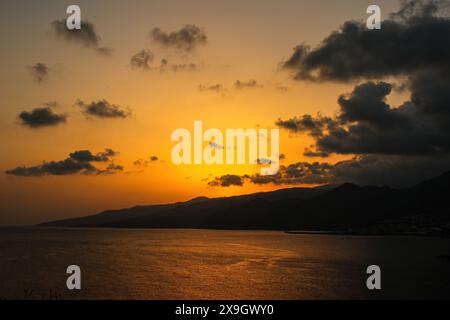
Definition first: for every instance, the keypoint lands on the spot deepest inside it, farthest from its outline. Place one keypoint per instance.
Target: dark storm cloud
(395, 145)
(419, 8)
(77, 162)
(431, 95)
(103, 109)
(415, 43)
(39, 71)
(395, 171)
(142, 60)
(41, 117)
(227, 181)
(366, 124)
(246, 84)
(418, 40)
(86, 36)
(186, 39)
(367, 104)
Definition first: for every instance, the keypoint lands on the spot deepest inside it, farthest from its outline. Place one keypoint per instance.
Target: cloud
(112, 168)
(263, 161)
(141, 163)
(41, 117)
(413, 44)
(186, 39)
(86, 36)
(64, 167)
(367, 124)
(87, 156)
(392, 170)
(226, 181)
(77, 162)
(308, 152)
(145, 162)
(390, 145)
(397, 171)
(106, 51)
(413, 38)
(215, 145)
(39, 71)
(165, 65)
(394, 145)
(246, 84)
(213, 87)
(282, 88)
(142, 60)
(296, 173)
(51, 104)
(306, 123)
(419, 8)
(103, 109)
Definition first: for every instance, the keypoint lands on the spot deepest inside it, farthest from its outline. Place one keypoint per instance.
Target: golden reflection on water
(204, 264)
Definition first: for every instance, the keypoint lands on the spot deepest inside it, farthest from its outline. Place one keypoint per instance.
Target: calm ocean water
(203, 264)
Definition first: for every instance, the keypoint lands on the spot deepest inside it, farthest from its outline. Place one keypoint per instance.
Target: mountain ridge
(348, 208)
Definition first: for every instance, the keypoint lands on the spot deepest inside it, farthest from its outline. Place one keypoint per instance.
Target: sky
(146, 68)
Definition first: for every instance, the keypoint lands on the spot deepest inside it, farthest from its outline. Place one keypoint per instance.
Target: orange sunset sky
(246, 40)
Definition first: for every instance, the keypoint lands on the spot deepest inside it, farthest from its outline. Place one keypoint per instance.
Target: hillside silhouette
(421, 209)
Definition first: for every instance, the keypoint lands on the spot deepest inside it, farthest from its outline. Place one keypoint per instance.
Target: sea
(215, 264)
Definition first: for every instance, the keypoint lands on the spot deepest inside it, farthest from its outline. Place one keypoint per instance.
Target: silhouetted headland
(422, 209)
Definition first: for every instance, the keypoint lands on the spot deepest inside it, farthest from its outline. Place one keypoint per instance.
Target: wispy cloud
(86, 36)
(246, 84)
(39, 71)
(142, 60)
(186, 39)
